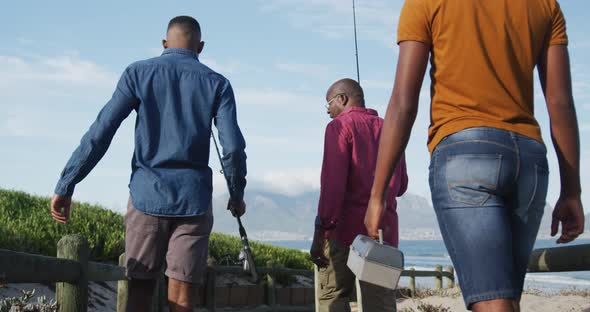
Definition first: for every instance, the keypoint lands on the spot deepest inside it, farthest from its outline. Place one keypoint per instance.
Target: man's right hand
(569, 212)
(237, 209)
(317, 249)
(60, 208)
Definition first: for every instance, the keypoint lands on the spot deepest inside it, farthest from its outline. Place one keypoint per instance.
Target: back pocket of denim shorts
(471, 178)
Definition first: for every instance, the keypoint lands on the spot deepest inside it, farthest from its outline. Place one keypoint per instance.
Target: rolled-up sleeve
(97, 139)
(232, 142)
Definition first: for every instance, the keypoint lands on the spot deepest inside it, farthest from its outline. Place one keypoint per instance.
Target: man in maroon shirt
(350, 154)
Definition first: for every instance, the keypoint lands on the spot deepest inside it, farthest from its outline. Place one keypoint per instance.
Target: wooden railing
(448, 274)
(72, 271)
(560, 259)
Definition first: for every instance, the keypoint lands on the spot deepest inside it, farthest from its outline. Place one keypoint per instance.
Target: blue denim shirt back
(176, 99)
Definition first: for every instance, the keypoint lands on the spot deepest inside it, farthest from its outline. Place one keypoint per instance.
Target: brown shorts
(182, 241)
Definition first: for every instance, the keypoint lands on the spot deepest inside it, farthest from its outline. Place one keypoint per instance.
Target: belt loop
(512, 135)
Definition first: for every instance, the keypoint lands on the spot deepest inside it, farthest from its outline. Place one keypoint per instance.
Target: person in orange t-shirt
(488, 171)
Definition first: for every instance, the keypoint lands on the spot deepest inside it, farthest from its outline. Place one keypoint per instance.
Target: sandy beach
(103, 298)
(532, 303)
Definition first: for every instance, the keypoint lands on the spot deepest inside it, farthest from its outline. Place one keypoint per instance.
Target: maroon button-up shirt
(350, 158)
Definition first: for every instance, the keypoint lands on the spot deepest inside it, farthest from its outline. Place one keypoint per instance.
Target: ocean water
(426, 254)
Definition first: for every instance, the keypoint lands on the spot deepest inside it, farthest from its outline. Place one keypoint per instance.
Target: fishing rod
(356, 48)
(245, 257)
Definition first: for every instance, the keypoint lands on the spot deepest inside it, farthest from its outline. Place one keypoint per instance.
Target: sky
(60, 61)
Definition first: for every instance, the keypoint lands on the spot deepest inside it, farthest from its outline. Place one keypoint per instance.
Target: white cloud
(376, 19)
(377, 84)
(226, 68)
(276, 99)
(48, 97)
(290, 182)
(31, 124)
(63, 69)
(223, 67)
(304, 68)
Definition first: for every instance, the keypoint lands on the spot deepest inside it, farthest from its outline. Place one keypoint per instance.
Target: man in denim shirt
(169, 214)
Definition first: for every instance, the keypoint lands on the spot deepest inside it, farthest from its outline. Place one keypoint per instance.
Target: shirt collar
(360, 110)
(181, 51)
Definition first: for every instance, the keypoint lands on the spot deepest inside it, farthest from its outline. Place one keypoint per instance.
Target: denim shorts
(488, 190)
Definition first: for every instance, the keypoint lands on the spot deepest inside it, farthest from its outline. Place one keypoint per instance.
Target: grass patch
(422, 293)
(27, 226)
(570, 291)
(426, 307)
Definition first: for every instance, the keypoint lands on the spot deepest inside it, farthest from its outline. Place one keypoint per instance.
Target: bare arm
(399, 119)
(554, 72)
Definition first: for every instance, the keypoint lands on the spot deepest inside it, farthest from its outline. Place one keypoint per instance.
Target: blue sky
(59, 63)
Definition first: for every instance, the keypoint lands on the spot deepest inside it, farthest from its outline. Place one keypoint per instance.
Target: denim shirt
(176, 99)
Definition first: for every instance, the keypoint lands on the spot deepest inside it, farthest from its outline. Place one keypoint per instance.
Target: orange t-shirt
(483, 53)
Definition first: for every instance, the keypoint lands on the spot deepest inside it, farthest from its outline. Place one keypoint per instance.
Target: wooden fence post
(271, 293)
(73, 297)
(450, 280)
(438, 277)
(316, 288)
(412, 283)
(210, 288)
(122, 288)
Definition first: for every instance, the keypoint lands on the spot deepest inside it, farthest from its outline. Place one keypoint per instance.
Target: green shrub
(22, 303)
(221, 245)
(426, 307)
(26, 225)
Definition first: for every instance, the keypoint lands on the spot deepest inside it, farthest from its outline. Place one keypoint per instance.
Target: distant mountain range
(274, 216)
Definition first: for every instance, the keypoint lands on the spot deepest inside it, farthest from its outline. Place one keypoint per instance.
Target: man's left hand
(317, 249)
(373, 217)
(60, 208)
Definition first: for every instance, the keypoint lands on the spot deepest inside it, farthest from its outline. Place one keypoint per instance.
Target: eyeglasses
(332, 99)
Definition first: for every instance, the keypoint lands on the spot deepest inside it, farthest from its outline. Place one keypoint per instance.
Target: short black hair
(188, 24)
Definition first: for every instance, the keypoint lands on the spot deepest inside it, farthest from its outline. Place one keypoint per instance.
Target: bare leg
(140, 295)
(497, 305)
(516, 305)
(182, 296)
